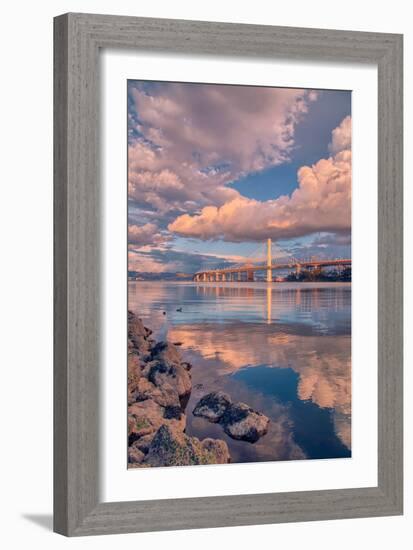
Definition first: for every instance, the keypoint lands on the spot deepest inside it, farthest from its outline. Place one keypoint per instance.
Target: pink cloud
(145, 263)
(322, 202)
(146, 234)
(197, 138)
(341, 137)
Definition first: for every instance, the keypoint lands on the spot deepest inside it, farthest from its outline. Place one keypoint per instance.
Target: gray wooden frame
(78, 39)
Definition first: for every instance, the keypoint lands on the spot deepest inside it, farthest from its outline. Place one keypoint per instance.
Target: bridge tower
(269, 261)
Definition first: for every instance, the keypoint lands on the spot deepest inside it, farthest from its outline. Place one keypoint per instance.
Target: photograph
(208, 369)
(239, 274)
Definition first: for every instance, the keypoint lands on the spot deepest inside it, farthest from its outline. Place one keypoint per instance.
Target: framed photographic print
(228, 274)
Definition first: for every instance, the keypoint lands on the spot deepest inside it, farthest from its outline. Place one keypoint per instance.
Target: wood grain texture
(60, 486)
(78, 39)
(390, 274)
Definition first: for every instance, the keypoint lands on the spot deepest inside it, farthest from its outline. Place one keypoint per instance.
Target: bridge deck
(276, 266)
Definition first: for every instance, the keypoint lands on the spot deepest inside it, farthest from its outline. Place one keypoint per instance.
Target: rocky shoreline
(159, 386)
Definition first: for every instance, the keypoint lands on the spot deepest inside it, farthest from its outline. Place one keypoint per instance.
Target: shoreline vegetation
(159, 387)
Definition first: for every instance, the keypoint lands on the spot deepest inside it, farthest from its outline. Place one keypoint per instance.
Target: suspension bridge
(247, 270)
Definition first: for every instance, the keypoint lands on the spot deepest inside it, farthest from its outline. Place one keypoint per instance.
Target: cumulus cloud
(322, 245)
(329, 240)
(190, 140)
(341, 137)
(155, 180)
(144, 262)
(160, 259)
(142, 235)
(322, 202)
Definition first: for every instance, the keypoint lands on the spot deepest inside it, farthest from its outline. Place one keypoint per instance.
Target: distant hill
(167, 276)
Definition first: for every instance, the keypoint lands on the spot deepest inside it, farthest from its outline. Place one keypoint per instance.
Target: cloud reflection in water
(283, 349)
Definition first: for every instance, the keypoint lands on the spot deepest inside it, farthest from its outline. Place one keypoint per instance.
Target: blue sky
(213, 170)
(312, 137)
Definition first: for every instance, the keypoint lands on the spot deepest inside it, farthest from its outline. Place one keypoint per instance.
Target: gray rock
(134, 376)
(166, 396)
(218, 448)
(242, 422)
(143, 443)
(170, 447)
(173, 411)
(212, 406)
(166, 374)
(238, 419)
(166, 353)
(147, 416)
(138, 337)
(135, 456)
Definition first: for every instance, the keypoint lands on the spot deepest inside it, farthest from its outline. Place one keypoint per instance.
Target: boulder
(173, 411)
(145, 417)
(166, 353)
(171, 447)
(143, 443)
(166, 396)
(134, 376)
(138, 337)
(167, 374)
(135, 456)
(242, 422)
(238, 419)
(218, 450)
(212, 406)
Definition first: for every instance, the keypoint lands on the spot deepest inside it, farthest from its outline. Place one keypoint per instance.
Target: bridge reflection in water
(303, 296)
(284, 349)
(245, 272)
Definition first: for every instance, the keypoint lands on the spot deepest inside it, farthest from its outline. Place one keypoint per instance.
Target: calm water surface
(282, 348)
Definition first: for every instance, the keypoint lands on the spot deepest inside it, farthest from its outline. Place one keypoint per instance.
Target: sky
(215, 170)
